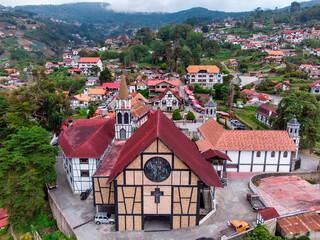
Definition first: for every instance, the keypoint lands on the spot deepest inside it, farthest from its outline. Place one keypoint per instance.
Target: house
(299, 225)
(84, 144)
(80, 100)
(249, 150)
(156, 87)
(137, 85)
(315, 87)
(97, 93)
(281, 87)
(3, 218)
(66, 56)
(294, 36)
(86, 64)
(168, 100)
(91, 81)
(314, 75)
(111, 86)
(315, 51)
(266, 214)
(248, 94)
(140, 110)
(206, 75)
(275, 56)
(264, 112)
(233, 63)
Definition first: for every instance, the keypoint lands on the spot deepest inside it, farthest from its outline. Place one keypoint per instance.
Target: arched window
(285, 154)
(119, 117)
(211, 111)
(122, 134)
(126, 118)
(273, 154)
(207, 111)
(164, 102)
(258, 154)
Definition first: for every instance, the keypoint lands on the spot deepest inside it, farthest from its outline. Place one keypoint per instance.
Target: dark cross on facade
(157, 193)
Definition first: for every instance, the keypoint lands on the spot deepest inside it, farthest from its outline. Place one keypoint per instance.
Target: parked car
(223, 181)
(241, 127)
(103, 105)
(104, 217)
(240, 106)
(235, 122)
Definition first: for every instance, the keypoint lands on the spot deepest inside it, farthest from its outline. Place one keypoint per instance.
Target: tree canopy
(27, 164)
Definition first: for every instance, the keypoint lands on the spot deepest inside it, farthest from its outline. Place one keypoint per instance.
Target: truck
(235, 227)
(255, 201)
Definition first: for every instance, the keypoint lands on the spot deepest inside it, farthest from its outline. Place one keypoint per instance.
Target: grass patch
(11, 42)
(257, 182)
(80, 113)
(224, 54)
(248, 118)
(312, 181)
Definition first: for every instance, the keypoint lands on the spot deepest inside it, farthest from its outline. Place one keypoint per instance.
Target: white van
(104, 217)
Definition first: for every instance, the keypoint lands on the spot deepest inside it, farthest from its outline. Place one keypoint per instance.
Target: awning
(214, 154)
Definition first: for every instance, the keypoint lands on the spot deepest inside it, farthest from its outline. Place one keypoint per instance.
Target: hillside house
(86, 64)
(205, 75)
(97, 93)
(281, 87)
(80, 100)
(315, 87)
(264, 113)
(294, 36)
(275, 56)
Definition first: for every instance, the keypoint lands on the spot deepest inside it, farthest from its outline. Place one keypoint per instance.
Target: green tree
(295, 7)
(190, 116)
(307, 110)
(105, 76)
(95, 70)
(261, 233)
(27, 164)
(176, 115)
(164, 32)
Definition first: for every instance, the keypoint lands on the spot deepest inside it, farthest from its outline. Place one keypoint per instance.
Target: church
(143, 176)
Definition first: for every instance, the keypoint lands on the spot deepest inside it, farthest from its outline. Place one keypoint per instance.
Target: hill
(99, 13)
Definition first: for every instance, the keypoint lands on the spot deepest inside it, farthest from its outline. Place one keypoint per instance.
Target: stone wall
(62, 222)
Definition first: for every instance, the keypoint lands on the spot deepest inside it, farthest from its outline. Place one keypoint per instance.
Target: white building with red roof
(168, 100)
(86, 64)
(206, 75)
(156, 87)
(249, 150)
(265, 112)
(294, 36)
(281, 87)
(315, 87)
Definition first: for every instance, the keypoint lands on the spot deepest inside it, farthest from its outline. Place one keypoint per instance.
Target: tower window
(211, 111)
(84, 161)
(119, 118)
(122, 134)
(126, 118)
(207, 111)
(84, 173)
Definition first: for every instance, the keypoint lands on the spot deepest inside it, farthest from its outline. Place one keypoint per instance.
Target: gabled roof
(159, 126)
(268, 213)
(280, 84)
(156, 82)
(315, 83)
(210, 103)
(208, 68)
(110, 85)
(89, 60)
(82, 97)
(264, 109)
(96, 91)
(275, 53)
(248, 92)
(87, 138)
(209, 154)
(217, 138)
(157, 98)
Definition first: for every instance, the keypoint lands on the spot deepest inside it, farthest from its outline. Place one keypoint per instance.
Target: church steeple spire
(123, 126)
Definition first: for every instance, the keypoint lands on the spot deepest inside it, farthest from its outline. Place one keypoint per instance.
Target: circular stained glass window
(157, 169)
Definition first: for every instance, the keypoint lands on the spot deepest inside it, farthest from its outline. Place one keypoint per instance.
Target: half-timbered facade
(84, 144)
(152, 177)
(169, 100)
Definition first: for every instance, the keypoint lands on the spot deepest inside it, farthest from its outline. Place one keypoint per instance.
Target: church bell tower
(123, 126)
(210, 110)
(293, 127)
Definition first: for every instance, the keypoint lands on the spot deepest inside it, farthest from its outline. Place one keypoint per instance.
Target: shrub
(176, 115)
(190, 116)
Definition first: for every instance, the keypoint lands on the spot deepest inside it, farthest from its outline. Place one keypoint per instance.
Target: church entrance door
(157, 223)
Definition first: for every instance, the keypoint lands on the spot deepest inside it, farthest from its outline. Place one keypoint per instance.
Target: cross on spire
(157, 193)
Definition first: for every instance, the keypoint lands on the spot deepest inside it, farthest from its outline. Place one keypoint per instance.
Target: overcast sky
(168, 5)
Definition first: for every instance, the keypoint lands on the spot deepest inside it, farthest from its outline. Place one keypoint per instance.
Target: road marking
(309, 155)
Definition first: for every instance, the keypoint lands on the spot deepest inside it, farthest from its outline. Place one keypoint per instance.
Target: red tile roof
(315, 83)
(157, 98)
(110, 85)
(110, 159)
(89, 60)
(87, 138)
(300, 223)
(208, 68)
(264, 110)
(159, 126)
(268, 213)
(3, 217)
(174, 83)
(217, 138)
(214, 154)
(248, 92)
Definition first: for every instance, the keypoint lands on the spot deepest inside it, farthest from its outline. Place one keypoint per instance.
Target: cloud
(167, 5)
